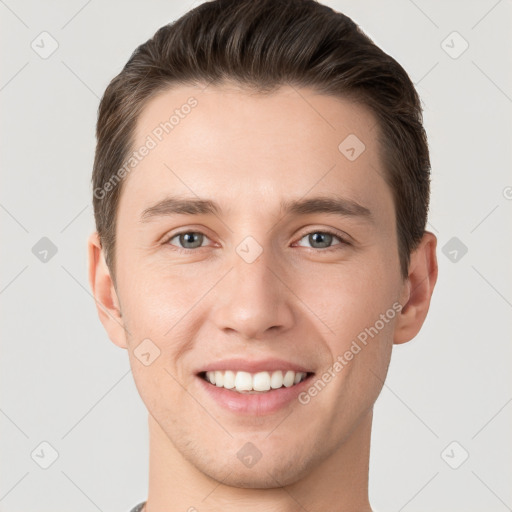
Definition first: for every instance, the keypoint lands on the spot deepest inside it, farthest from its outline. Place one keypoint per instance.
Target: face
(287, 262)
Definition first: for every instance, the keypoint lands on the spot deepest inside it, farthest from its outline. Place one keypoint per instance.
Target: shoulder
(138, 508)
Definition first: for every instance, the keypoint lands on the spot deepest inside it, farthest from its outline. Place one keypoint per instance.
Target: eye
(188, 239)
(322, 239)
(319, 239)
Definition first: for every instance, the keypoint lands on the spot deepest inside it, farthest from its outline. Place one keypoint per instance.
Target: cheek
(349, 299)
(164, 304)
(361, 308)
(155, 297)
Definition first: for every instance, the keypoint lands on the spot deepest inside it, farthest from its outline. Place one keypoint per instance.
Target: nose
(254, 300)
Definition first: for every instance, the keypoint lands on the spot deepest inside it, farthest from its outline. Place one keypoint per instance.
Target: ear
(105, 296)
(417, 290)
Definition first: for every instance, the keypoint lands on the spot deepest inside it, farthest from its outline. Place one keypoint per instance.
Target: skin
(297, 301)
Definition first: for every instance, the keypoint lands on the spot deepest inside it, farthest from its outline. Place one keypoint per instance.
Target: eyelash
(343, 241)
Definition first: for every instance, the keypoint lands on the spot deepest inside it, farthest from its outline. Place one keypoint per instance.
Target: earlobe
(418, 289)
(105, 296)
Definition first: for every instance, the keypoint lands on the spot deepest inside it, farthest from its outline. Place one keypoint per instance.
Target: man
(261, 187)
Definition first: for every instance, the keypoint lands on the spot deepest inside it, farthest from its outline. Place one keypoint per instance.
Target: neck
(339, 483)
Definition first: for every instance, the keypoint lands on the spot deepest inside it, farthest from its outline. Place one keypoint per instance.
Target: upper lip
(253, 366)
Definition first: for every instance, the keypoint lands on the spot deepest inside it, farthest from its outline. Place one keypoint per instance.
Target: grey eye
(320, 239)
(189, 239)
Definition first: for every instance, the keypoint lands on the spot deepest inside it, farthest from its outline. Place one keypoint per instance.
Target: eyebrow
(195, 206)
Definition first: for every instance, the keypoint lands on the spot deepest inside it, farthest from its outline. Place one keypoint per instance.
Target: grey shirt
(138, 508)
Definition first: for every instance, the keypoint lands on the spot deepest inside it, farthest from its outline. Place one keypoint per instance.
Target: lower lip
(256, 404)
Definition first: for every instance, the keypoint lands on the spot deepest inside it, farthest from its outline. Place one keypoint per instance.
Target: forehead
(232, 143)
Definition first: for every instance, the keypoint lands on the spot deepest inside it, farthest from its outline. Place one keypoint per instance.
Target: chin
(266, 476)
(274, 469)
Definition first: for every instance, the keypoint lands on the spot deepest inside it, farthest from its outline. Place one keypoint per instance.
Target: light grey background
(64, 382)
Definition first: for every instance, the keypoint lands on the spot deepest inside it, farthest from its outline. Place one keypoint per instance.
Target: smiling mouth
(254, 383)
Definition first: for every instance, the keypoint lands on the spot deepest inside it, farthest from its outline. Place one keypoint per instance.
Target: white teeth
(259, 382)
(288, 379)
(243, 381)
(219, 379)
(276, 381)
(229, 380)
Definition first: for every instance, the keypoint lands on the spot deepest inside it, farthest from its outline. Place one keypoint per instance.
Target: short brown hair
(264, 44)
